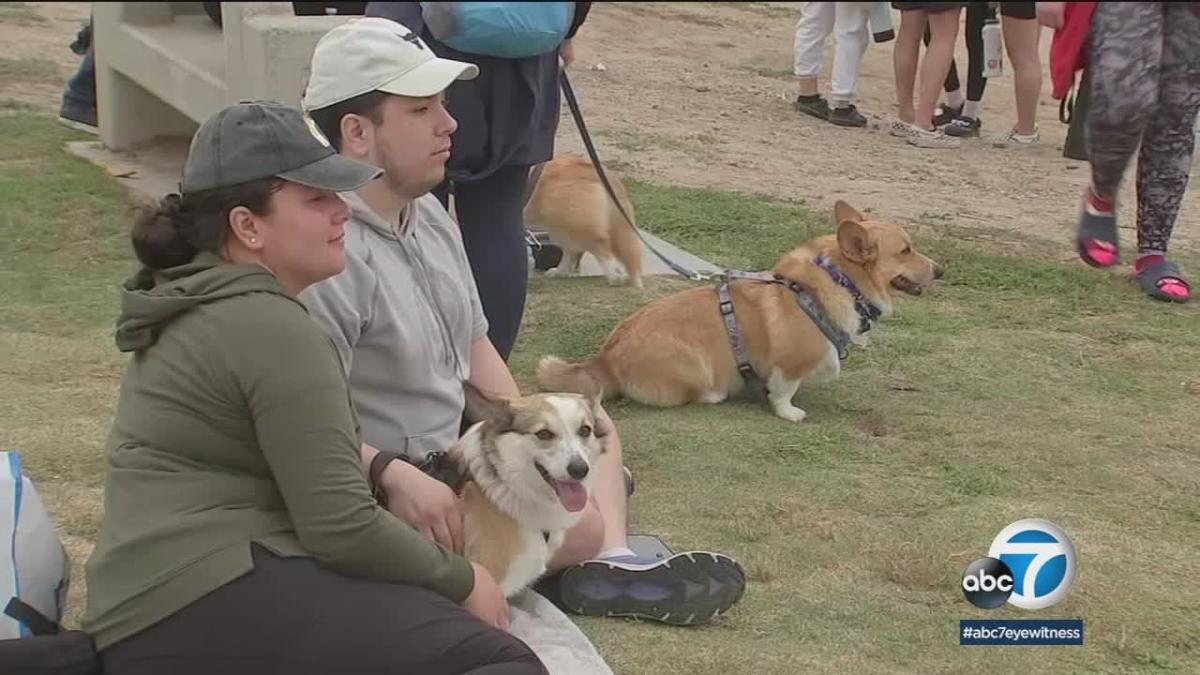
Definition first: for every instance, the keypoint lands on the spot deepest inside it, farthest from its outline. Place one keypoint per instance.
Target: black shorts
(932, 7)
(1019, 10)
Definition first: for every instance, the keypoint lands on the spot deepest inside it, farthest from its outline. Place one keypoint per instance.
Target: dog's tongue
(572, 494)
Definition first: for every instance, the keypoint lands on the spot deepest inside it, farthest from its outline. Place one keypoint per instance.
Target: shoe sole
(847, 123)
(700, 586)
(1013, 144)
(812, 113)
(79, 126)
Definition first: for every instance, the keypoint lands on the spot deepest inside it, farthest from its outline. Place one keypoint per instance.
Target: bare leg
(904, 61)
(943, 30)
(1021, 37)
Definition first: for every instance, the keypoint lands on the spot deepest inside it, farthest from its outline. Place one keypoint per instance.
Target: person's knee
(588, 534)
(583, 541)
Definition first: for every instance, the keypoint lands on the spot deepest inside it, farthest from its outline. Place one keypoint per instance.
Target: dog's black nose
(577, 469)
(938, 271)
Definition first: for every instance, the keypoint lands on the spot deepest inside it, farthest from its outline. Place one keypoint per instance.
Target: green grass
(1019, 387)
(14, 105)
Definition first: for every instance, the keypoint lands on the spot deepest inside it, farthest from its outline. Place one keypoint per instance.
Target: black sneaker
(963, 127)
(847, 116)
(686, 589)
(546, 254)
(945, 114)
(812, 105)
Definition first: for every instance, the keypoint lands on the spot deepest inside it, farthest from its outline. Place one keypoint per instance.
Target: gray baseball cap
(259, 139)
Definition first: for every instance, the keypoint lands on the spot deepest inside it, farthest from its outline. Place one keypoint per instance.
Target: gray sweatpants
(1145, 76)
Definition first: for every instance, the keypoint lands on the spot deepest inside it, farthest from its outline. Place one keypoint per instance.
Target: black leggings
(291, 615)
(977, 13)
(493, 229)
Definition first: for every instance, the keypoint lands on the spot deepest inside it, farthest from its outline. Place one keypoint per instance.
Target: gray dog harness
(806, 302)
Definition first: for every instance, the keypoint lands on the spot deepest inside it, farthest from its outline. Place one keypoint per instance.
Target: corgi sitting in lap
(529, 463)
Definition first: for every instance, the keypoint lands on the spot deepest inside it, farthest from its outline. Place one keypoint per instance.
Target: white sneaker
(1013, 138)
(900, 129)
(931, 139)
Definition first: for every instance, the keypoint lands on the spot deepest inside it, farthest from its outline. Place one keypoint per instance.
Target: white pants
(848, 23)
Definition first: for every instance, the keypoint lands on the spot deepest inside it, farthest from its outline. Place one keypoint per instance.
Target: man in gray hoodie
(406, 319)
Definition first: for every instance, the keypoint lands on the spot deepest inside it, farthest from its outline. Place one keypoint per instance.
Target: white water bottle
(993, 49)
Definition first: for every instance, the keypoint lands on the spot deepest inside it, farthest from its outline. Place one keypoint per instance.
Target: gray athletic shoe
(685, 589)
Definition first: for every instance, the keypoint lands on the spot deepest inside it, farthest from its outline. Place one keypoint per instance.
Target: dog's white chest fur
(529, 564)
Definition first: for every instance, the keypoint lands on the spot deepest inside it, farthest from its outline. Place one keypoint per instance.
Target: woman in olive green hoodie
(240, 533)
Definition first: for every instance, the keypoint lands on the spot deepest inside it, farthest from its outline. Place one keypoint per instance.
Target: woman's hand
(425, 503)
(486, 600)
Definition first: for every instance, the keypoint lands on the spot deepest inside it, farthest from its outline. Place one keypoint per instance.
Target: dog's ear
(481, 407)
(857, 242)
(843, 212)
(595, 401)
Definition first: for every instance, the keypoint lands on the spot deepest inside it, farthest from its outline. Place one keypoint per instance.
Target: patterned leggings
(1145, 74)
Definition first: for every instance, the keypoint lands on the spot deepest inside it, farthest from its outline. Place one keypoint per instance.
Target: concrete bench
(163, 67)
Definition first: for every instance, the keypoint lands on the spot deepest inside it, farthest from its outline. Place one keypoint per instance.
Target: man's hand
(1050, 14)
(486, 600)
(566, 50)
(424, 502)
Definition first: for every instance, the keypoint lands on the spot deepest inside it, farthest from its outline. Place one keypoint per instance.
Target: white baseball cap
(372, 53)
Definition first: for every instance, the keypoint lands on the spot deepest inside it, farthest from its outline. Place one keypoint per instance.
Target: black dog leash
(573, 104)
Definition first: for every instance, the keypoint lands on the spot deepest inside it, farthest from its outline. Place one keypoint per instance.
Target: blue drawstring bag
(510, 30)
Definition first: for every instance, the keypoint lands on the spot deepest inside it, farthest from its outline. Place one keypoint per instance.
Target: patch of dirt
(699, 94)
(41, 30)
(723, 71)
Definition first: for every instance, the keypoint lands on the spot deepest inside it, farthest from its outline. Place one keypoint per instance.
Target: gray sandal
(1151, 280)
(1096, 239)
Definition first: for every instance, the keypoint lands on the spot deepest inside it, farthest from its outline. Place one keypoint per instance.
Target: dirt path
(700, 95)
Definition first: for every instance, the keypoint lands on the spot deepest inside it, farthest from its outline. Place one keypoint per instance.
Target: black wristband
(375, 473)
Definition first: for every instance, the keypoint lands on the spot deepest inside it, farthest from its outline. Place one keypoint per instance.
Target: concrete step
(182, 62)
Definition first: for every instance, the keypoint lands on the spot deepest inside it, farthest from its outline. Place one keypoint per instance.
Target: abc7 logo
(1031, 564)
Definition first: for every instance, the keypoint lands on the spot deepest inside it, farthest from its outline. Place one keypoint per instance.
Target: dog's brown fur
(676, 350)
(573, 207)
